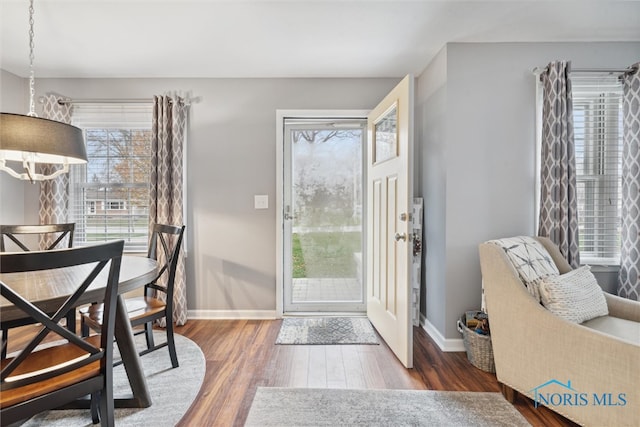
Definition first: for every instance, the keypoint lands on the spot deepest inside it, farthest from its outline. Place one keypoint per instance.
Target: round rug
(172, 391)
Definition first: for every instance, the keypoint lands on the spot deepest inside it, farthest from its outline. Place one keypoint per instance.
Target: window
(597, 115)
(109, 196)
(118, 205)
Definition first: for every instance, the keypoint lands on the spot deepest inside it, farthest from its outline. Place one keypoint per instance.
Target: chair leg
(71, 320)
(5, 339)
(171, 344)
(107, 407)
(148, 331)
(84, 329)
(509, 394)
(95, 412)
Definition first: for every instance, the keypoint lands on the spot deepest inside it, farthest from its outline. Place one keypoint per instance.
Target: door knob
(400, 236)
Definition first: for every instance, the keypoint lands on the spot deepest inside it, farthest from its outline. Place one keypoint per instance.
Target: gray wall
(430, 136)
(231, 157)
(476, 123)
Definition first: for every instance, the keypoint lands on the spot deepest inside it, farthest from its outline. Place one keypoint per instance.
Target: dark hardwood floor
(241, 356)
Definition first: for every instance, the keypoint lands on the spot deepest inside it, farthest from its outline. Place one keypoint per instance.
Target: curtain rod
(632, 69)
(603, 70)
(106, 101)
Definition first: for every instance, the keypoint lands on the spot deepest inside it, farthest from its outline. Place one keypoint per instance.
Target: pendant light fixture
(33, 140)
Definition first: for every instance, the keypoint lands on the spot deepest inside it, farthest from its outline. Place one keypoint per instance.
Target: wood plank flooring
(241, 356)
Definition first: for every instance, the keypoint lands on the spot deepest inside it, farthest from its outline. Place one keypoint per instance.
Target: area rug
(326, 330)
(172, 390)
(342, 407)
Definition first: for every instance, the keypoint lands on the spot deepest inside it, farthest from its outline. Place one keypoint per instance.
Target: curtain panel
(629, 277)
(54, 193)
(558, 196)
(166, 186)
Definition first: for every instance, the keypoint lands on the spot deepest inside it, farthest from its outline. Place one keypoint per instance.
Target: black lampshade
(50, 141)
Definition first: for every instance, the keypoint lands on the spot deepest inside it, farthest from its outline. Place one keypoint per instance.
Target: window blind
(597, 114)
(109, 196)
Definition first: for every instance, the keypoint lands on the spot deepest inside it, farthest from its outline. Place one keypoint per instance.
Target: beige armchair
(589, 372)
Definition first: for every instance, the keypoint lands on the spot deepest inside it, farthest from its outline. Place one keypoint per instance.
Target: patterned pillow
(574, 296)
(530, 259)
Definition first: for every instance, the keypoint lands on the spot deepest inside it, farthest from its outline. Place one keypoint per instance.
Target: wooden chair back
(52, 235)
(25, 237)
(164, 247)
(38, 379)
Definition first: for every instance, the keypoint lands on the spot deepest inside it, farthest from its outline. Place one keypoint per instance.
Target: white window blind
(597, 114)
(109, 196)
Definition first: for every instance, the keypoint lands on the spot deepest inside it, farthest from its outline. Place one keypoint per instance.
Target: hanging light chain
(32, 75)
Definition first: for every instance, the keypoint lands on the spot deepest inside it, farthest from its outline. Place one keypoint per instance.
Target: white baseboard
(445, 344)
(232, 314)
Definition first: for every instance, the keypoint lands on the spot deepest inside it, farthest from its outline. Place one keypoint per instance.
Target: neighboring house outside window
(597, 113)
(109, 196)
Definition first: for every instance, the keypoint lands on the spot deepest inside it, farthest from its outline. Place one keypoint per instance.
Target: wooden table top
(47, 288)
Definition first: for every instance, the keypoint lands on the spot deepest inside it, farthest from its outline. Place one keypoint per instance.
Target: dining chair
(23, 237)
(44, 377)
(18, 234)
(157, 300)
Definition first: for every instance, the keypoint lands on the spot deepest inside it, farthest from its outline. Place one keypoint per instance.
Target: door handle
(400, 236)
(287, 213)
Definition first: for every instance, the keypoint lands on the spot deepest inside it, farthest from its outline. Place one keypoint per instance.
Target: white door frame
(281, 115)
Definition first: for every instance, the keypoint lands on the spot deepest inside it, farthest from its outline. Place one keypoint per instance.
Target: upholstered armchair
(588, 371)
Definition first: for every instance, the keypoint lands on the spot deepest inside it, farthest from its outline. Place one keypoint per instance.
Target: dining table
(47, 289)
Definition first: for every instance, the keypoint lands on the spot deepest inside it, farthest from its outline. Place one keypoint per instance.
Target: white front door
(390, 201)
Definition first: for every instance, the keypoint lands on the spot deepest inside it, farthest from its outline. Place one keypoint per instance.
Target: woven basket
(478, 347)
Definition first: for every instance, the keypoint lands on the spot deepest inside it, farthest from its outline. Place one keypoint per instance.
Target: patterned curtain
(558, 196)
(54, 193)
(166, 198)
(629, 278)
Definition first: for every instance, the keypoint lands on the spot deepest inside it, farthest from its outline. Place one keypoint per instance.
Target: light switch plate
(261, 201)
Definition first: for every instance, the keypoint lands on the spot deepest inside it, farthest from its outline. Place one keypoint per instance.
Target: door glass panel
(386, 136)
(326, 216)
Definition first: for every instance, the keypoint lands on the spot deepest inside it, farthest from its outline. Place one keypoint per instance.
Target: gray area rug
(273, 406)
(326, 330)
(172, 390)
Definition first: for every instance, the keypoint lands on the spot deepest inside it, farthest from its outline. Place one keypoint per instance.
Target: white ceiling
(291, 38)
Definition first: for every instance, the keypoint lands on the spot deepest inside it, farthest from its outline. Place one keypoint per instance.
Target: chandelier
(33, 140)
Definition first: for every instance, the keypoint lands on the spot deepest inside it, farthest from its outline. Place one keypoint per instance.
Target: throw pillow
(574, 296)
(530, 259)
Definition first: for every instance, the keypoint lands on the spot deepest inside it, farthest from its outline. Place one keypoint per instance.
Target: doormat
(326, 331)
(285, 407)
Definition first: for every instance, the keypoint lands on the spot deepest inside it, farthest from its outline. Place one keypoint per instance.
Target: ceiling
(290, 38)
